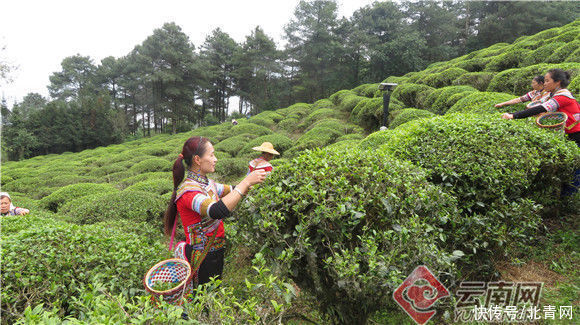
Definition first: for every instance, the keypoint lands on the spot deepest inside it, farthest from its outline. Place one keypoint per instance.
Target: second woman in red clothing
(202, 204)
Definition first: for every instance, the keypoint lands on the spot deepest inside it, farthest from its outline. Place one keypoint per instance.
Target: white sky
(39, 34)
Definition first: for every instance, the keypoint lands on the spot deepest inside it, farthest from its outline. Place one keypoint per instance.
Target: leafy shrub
(343, 145)
(320, 114)
(443, 78)
(508, 60)
(364, 113)
(574, 86)
(367, 90)
(574, 56)
(248, 128)
(59, 197)
(151, 165)
(478, 80)
(222, 155)
(339, 96)
(280, 142)
(230, 168)
(317, 137)
(266, 122)
(160, 150)
(126, 182)
(234, 144)
(436, 101)
(542, 54)
(337, 246)
(289, 124)
(322, 103)
(350, 137)
(473, 65)
(298, 110)
(110, 169)
(215, 303)
(338, 125)
(274, 116)
(130, 205)
(566, 37)
(483, 102)
(375, 140)
(485, 161)
(52, 264)
(407, 93)
(349, 102)
(409, 114)
(155, 186)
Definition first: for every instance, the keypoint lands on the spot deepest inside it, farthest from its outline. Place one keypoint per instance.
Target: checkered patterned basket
(174, 270)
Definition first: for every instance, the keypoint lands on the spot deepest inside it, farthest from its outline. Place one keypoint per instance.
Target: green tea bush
(126, 182)
(407, 93)
(280, 142)
(339, 96)
(130, 205)
(229, 169)
(323, 103)
(409, 114)
(574, 86)
(299, 110)
(442, 79)
(436, 101)
(343, 145)
(63, 195)
(155, 186)
(364, 113)
(368, 90)
(545, 35)
(542, 54)
(574, 56)
(375, 140)
(289, 125)
(157, 150)
(320, 114)
(473, 65)
(53, 263)
(508, 60)
(487, 161)
(151, 165)
(478, 80)
(317, 137)
(110, 169)
(222, 155)
(234, 144)
(349, 102)
(215, 303)
(396, 79)
(483, 102)
(24, 201)
(266, 122)
(338, 125)
(494, 50)
(350, 137)
(566, 37)
(338, 247)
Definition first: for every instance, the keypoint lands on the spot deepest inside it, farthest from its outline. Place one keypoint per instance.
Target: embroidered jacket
(195, 195)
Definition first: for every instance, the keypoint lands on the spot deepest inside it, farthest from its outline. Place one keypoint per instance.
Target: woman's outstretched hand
(256, 177)
(507, 116)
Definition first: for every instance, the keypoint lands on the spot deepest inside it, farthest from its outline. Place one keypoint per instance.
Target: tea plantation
(347, 214)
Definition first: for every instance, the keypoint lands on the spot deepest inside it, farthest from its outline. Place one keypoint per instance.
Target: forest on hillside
(166, 84)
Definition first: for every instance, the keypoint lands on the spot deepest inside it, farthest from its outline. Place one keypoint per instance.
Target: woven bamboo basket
(175, 271)
(544, 120)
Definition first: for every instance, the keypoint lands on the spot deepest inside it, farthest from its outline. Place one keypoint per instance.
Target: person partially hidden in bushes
(562, 100)
(202, 204)
(8, 209)
(263, 162)
(537, 95)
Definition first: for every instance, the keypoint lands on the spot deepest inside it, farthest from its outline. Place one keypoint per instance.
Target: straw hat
(266, 147)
